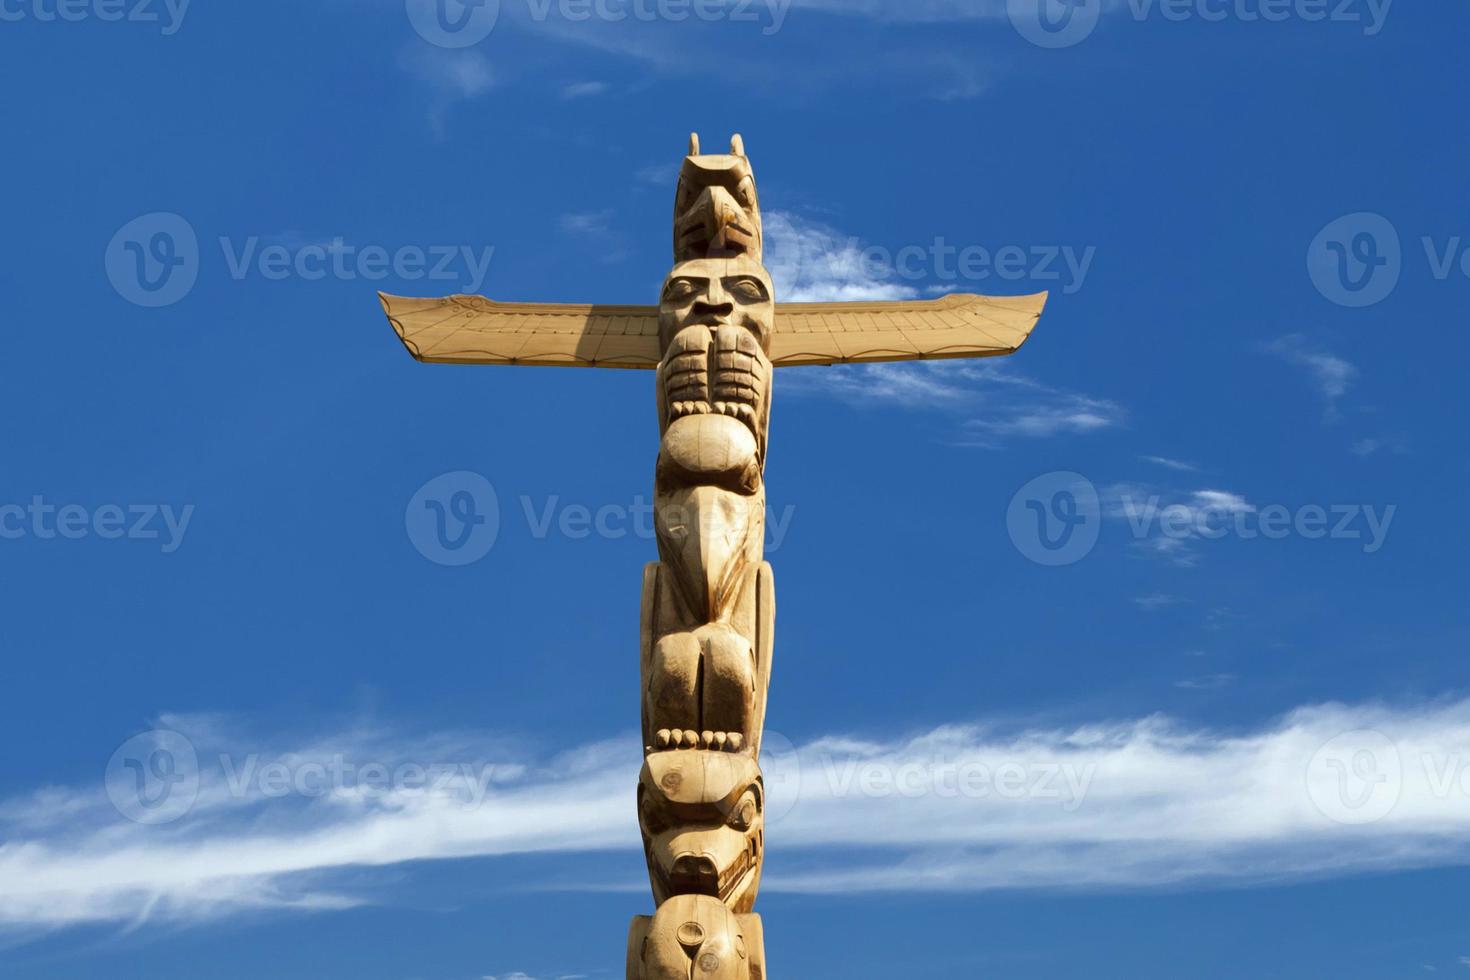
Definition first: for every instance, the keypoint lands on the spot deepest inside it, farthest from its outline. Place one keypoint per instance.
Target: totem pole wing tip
(464, 329)
(952, 326)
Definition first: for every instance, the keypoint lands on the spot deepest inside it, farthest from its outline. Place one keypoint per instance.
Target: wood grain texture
(475, 330)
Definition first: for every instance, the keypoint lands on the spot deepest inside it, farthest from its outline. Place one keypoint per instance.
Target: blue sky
(1138, 654)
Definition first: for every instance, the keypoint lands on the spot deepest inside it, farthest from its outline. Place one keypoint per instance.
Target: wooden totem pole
(709, 601)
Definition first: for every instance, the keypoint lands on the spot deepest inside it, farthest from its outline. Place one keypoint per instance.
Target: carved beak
(716, 224)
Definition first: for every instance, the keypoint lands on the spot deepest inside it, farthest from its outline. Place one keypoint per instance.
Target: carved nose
(695, 867)
(721, 310)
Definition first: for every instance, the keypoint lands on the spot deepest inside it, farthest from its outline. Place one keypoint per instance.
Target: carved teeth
(706, 739)
(662, 739)
(735, 740)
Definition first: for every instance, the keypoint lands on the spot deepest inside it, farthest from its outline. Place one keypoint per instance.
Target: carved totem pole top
(709, 601)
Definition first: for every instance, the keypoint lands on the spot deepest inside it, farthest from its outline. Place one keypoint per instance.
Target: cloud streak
(1125, 804)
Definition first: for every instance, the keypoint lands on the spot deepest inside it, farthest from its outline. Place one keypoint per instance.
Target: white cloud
(461, 74)
(580, 90)
(922, 11)
(960, 808)
(998, 403)
(450, 76)
(811, 262)
(596, 231)
(1209, 682)
(1157, 600)
(1169, 525)
(1172, 464)
(1331, 375)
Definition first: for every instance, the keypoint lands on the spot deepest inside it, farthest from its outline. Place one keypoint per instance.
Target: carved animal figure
(703, 820)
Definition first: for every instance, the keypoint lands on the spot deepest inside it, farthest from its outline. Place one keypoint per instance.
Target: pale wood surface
(475, 330)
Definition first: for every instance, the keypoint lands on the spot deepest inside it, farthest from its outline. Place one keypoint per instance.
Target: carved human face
(712, 293)
(703, 823)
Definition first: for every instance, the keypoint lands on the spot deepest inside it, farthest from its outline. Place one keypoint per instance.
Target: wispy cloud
(1172, 464)
(959, 808)
(1208, 682)
(450, 76)
(1169, 524)
(1331, 375)
(997, 403)
(811, 262)
(596, 231)
(1157, 600)
(582, 90)
(920, 11)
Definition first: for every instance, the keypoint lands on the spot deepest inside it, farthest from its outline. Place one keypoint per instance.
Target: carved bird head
(716, 211)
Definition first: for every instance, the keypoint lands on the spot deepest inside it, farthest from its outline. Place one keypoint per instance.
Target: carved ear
(694, 144)
(737, 145)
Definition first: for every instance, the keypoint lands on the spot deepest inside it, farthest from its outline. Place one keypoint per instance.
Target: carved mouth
(690, 876)
(736, 410)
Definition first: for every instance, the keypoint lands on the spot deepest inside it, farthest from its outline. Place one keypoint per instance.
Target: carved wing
(958, 325)
(475, 330)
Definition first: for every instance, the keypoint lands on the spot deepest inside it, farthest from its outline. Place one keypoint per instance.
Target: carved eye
(747, 289)
(746, 194)
(679, 289)
(653, 817)
(745, 812)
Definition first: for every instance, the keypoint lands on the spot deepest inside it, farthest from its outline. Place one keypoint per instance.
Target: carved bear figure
(694, 937)
(702, 815)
